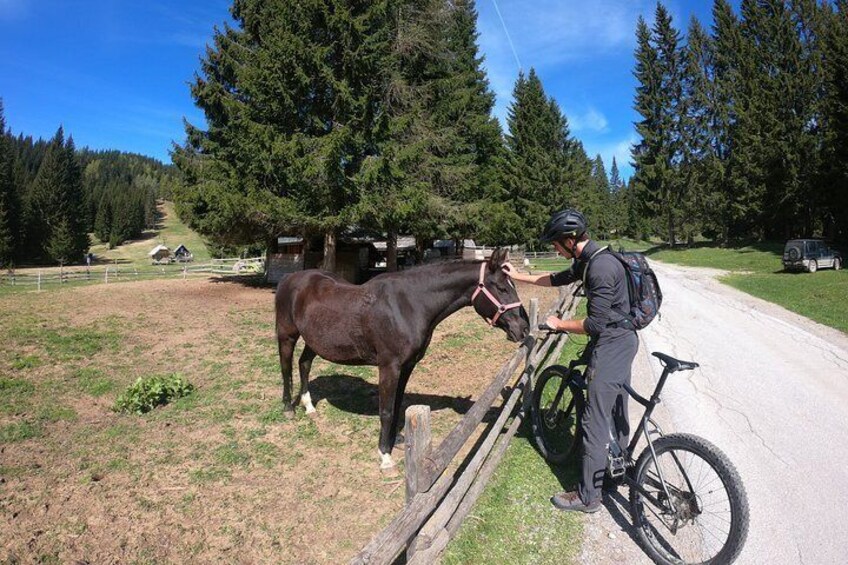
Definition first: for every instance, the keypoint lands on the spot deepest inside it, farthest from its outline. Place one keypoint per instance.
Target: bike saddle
(674, 364)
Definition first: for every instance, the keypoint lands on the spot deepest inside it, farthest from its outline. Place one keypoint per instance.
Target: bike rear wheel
(555, 414)
(701, 516)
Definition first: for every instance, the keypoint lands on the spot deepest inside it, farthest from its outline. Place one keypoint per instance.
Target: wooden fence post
(106, 276)
(534, 323)
(534, 314)
(417, 430)
(39, 281)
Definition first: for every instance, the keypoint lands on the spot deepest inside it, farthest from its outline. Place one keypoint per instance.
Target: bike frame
(650, 404)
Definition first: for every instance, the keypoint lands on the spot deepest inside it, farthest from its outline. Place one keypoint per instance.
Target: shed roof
(404, 243)
(158, 249)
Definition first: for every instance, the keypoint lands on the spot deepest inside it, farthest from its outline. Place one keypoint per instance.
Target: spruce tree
(618, 207)
(9, 208)
(55, 200)
(542, 161)
(834, 174)
(646, 182)
(288, 100)
(702, 200)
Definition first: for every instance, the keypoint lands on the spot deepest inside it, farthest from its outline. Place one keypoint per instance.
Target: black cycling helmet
(565, 223)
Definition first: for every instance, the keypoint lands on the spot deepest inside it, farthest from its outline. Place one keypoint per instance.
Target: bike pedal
(616, 466)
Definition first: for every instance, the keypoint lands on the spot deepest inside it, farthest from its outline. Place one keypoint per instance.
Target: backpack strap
(589, 261)
(625, 320)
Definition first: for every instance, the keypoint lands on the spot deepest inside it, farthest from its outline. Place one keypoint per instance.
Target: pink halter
(481, 287)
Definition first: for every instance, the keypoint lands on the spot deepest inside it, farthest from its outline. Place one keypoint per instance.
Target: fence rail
(438, 501)
(114, 273)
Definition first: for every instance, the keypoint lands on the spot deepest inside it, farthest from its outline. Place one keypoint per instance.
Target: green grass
(559, 263)
(171, 232)
(757, 258)
(514, 521)
(757, 270)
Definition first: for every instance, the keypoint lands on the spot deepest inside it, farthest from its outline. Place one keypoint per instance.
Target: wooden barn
(354, 254)
(160, 254)
(182, 254)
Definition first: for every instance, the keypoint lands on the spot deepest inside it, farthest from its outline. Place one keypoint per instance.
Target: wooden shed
(160, 254)
(182, 254)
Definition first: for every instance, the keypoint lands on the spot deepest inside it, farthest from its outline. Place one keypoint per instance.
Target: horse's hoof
(288, 414)
(312, 412)
(386, 461)
(390, 472)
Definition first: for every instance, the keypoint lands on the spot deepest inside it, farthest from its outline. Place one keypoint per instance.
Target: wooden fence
(40, 280)
(437, 501)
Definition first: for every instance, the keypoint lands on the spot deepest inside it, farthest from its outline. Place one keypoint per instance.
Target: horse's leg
(405, 372)
(304, 365)
(389, 377)
(286, 347)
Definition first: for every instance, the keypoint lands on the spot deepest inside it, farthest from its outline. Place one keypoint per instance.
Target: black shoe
(570, 501)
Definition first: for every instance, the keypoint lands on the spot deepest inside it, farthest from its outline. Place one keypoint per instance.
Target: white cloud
(591, 120)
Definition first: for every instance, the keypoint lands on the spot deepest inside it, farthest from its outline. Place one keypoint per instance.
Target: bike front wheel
(692, 506)
(555, 414)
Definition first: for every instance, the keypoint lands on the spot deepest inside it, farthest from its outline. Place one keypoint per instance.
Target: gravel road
(772, 393)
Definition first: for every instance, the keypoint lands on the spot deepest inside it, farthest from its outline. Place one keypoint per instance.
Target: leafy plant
(145, 394)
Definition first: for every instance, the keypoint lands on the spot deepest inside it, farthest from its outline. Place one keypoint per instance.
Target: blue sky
(115, 73)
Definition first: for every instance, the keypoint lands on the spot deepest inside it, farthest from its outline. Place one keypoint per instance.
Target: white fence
(46, 278)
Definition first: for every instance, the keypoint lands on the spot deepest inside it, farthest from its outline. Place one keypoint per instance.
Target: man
(610, 352)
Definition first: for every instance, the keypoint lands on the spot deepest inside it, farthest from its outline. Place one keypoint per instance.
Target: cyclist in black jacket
(610, 352)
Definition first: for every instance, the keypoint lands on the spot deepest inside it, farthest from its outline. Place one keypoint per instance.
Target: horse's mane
(436, 266)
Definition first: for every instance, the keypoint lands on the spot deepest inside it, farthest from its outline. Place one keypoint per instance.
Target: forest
(333, 114)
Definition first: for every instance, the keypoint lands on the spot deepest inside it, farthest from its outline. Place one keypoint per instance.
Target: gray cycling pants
(606, 403)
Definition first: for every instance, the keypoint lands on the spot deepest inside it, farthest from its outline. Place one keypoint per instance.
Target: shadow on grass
(568, 475)
(250, 281)
(355, 395)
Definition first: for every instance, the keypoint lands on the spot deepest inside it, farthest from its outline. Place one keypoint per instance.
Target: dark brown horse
(387, 322)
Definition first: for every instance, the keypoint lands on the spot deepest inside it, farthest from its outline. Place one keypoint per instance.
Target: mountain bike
(686, 498)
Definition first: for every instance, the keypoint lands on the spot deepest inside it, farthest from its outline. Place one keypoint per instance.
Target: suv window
(812, 246)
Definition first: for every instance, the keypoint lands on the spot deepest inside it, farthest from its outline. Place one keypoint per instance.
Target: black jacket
(606, 291)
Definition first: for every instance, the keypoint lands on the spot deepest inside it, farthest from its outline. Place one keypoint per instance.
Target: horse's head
(503, 308)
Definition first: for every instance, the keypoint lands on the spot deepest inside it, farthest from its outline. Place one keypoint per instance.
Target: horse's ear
(497, 259)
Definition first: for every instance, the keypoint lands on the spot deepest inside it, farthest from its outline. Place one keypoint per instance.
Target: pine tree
(834, 179)
(646, 182)
(288, 99)
(9, 208)
(542, 161)
(55, 200)
(595, 199)
(617, 205)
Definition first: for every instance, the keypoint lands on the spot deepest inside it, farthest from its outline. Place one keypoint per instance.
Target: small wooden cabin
(182, 254)
(160, 254)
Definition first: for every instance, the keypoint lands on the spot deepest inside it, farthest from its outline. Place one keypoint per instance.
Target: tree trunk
(670, 227)
(419, 249)
(329, 263)
(391, 252)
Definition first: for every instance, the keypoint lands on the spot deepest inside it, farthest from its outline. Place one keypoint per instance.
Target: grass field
(170, 232)
(221, 474)
(757, 270)
(560, 263)
(514, 520)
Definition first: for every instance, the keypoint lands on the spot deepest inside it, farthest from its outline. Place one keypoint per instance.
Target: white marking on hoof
(306, 401)
(386, 461)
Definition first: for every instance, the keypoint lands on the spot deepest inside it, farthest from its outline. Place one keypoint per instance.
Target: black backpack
(643, 287)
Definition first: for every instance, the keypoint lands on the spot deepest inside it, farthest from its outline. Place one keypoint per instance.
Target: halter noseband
(481, 287)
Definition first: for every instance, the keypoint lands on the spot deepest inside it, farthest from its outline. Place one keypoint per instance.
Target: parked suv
(809, 255)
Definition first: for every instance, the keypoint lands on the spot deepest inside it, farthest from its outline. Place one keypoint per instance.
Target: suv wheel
(837, 264)
(813, 266)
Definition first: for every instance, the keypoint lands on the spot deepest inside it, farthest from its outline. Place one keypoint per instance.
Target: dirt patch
(219, 474)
